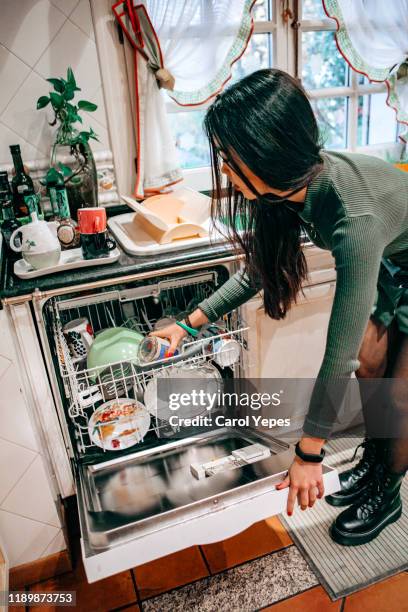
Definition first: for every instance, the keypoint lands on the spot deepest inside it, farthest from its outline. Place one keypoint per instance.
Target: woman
(264, 138)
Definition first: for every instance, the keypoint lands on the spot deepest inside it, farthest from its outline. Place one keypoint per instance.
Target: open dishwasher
(143, 501)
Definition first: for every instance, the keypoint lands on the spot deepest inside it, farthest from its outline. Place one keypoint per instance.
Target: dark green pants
(391, 302)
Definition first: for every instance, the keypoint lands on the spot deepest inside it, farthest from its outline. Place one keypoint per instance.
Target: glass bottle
(67, 230)
(9, 221)
(76, 156)
(25, 199)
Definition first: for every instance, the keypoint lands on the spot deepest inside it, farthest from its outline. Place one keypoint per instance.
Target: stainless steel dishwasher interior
(141, 492)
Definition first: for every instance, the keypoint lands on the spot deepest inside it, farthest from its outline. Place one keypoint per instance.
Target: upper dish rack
(139, 308)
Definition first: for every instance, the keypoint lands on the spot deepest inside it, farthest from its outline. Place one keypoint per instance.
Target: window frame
(351, 92)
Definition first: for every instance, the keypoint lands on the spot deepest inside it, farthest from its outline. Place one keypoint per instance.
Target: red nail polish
(289, 513)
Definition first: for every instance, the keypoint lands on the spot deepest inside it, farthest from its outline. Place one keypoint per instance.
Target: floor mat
(341, 569)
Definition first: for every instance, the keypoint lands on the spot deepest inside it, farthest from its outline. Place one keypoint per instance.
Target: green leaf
(93, 135)
(69, 93)
(87, 106)
(52, 176)
(56, 100)
(42, 102)
(70, 78)
(66, 170)
(58, 84)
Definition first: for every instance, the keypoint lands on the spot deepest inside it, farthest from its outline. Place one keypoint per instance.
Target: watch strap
(193, 332)
(309, 457)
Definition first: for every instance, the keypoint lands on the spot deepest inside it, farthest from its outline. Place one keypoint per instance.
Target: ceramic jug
(39, 246)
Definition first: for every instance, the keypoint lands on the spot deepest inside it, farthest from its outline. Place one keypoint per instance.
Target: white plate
(160, 409)
(121, 431)
(70, 259)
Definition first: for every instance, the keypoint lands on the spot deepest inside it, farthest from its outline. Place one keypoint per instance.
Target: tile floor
(258, 569)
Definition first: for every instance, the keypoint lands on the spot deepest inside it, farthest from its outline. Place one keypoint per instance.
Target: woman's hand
(306, 484)
(172, 332)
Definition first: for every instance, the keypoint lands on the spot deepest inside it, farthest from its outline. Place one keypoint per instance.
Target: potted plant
(71, 152)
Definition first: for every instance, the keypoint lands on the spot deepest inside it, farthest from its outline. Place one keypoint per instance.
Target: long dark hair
(266, 121)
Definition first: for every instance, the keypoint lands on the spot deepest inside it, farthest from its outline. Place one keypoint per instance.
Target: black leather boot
(356, 480)
(380, 506)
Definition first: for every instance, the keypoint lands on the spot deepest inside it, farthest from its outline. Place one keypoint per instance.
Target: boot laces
(365, 459)
(374, 495)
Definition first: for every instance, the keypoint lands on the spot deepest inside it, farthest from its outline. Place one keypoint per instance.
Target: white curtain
(373, 37)
(186, 47)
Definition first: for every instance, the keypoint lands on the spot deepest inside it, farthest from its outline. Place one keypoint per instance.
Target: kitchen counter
(11, 286)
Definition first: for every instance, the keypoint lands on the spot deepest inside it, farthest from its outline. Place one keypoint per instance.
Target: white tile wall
(33, 485)
(38, 40)
(29, 524)
(13, 74)
(26, 27)
(25, 540)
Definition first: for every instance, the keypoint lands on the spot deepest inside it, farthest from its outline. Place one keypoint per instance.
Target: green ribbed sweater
(357, 207)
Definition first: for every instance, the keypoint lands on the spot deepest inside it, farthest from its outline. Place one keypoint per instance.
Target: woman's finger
(284, 484)
(293, 491)
(174, 342)
(159, 334)
(303, 498)
(312, 496)
(320, 487)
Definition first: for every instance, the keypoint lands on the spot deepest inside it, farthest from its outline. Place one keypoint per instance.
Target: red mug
(91, 220)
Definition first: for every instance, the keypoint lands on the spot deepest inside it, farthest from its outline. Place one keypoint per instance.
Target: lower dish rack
(96, 399)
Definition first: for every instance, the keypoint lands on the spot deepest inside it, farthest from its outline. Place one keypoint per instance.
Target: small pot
(38, 244)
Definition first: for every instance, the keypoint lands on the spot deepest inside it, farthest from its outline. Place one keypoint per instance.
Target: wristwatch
(309, 457)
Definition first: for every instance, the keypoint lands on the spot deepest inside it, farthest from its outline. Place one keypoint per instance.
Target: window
(351, 112)
(186, 123)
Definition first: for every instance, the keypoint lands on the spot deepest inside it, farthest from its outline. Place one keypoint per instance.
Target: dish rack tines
(88, 389)
(138, 308)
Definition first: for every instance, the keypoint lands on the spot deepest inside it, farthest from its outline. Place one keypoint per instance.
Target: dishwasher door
(149, 504)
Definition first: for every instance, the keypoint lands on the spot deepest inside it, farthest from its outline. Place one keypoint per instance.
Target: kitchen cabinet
(293, 347)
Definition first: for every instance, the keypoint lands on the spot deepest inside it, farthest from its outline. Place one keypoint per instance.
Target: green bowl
(111, 346)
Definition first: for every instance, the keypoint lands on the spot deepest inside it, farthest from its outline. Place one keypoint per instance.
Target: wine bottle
(9, 221)
(25, 199)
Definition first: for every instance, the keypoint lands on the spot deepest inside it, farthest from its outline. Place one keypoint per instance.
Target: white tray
(70, 259)
(135, 241)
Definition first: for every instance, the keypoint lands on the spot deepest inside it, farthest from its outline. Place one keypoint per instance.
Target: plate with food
(119, 424)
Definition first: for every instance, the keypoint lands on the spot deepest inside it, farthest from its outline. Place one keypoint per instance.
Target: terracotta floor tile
(259, 539)
(169, 572)
(314, 600)
(386, 596)
(100, 596)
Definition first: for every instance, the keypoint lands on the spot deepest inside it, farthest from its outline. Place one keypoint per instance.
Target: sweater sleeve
(358, 245)
(236, 291)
